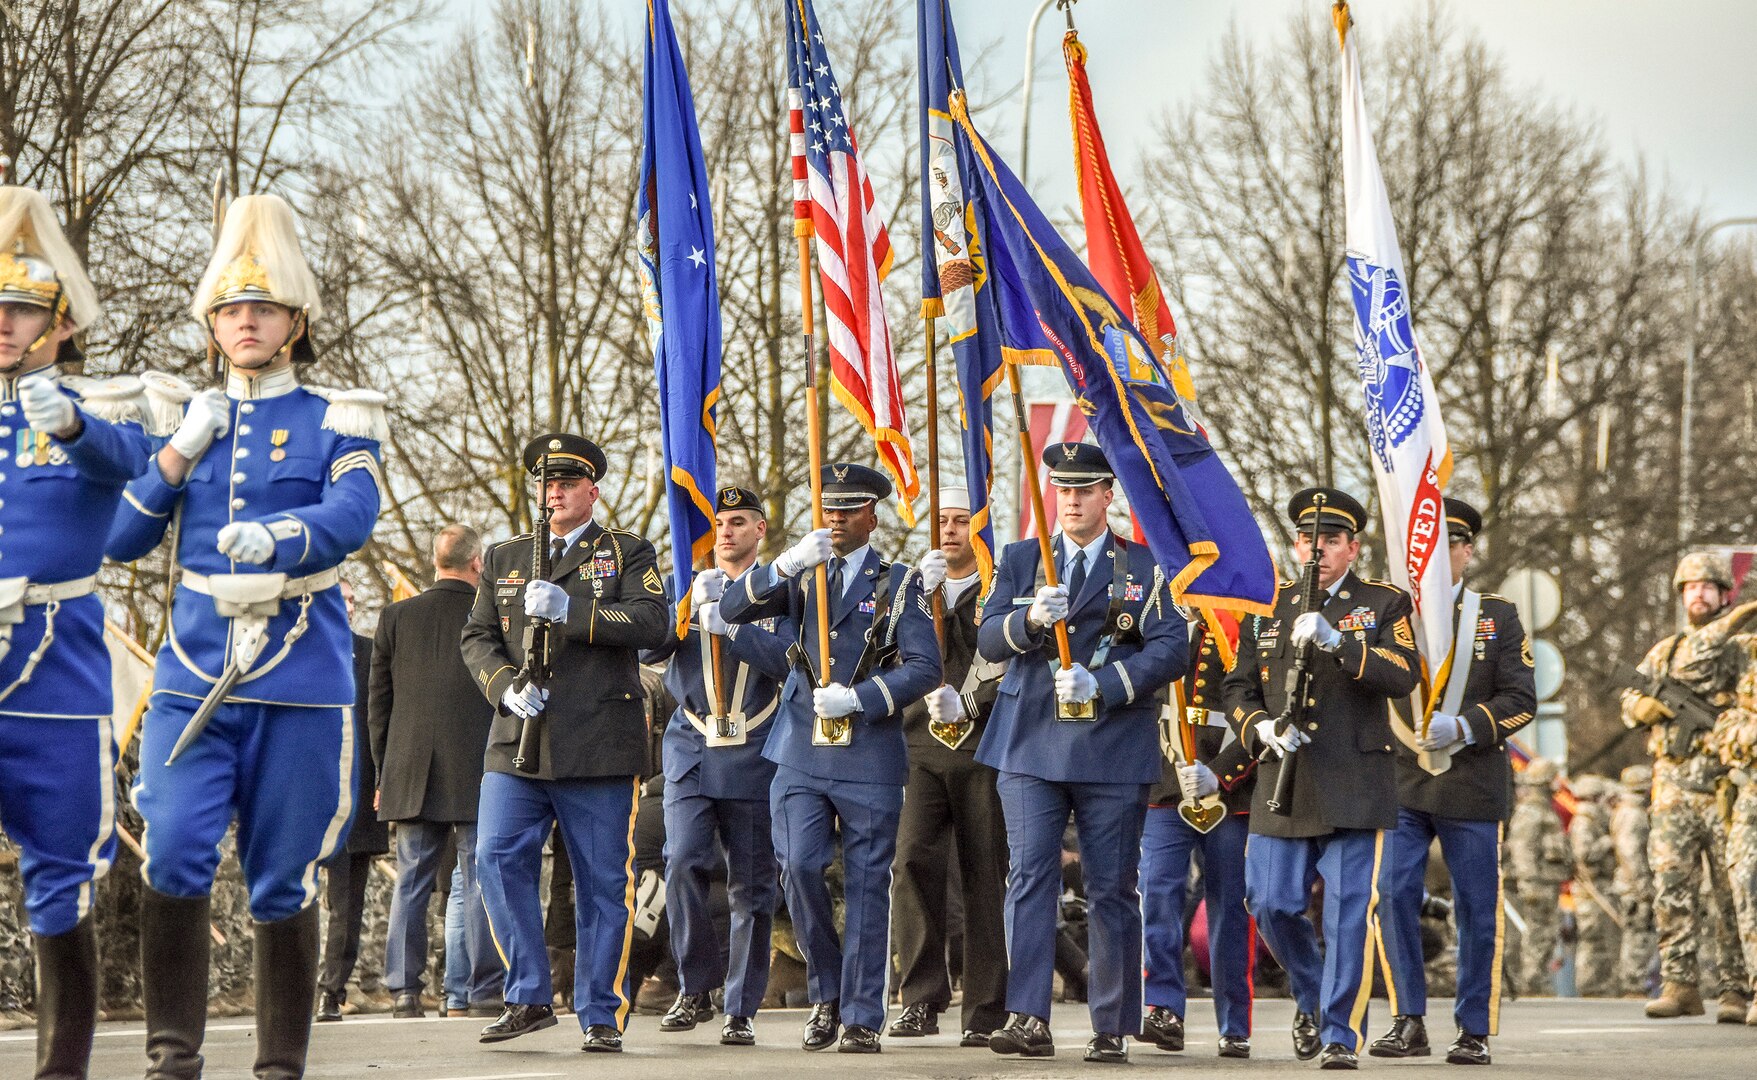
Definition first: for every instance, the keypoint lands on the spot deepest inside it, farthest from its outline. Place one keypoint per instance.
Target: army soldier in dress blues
(1457, 784)
(1345, 793)
(607, 602)
(838, 748)
(1128, 641)
(270, 486)
(1167, 844)
(717, 785)
(950, 793)
(68, 445)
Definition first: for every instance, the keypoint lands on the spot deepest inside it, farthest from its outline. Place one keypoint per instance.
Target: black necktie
(1077, 575)
(836, 565)
(557, 548)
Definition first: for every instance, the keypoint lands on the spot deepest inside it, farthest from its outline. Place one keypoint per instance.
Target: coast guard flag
(833, 199)
(1049, 305)
(1411, 458)
(681, 297)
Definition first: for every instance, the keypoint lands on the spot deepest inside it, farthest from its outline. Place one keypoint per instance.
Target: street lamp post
(1030, 78)
(1687, 419)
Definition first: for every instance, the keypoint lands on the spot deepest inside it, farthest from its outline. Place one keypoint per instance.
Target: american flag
(833, 199)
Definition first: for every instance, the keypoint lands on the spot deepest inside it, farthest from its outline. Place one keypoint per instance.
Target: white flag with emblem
(1411, 458)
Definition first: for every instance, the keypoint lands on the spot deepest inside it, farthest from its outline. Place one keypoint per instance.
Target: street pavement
(1548, 1039)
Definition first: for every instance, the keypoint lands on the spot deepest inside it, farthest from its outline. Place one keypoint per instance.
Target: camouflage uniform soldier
(1734, 739)
(1595, 866)
(1687, 828)
(1538, 859)
(1634, 880)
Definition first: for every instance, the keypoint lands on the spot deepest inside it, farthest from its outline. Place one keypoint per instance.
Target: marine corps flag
(1411, 458)
(1048, 304)
(681, 297)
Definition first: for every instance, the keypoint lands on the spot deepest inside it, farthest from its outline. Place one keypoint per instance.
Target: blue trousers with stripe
(1473, 857)
(1279, 874)
(58, 804)
(849, 968)
(286, 772)
(1167, 843)
(696, 830)
(596, 818)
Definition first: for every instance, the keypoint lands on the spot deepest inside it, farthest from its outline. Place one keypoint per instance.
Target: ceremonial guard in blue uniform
(68, 445)
(1456, 784)
(838, 748)
(1188, 812)
(1343, 803)
(568, 745)
(1128, 641)
(265, 488)
(717, 784)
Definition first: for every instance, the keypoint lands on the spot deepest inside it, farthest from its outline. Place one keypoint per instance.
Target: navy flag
(1046, 302)
(681, 297)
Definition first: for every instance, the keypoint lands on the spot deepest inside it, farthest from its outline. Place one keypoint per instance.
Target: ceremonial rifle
(1299, 678)
(1690, 712)
(539, 633)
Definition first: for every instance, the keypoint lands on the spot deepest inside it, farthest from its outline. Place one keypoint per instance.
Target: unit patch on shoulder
(651, 580)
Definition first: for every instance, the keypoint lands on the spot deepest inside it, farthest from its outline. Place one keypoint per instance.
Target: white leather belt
(741, 725)
(16, 594)
(289, 588)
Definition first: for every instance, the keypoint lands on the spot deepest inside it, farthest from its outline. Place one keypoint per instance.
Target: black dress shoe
(858, 1040)
(408, 1006)
(972, 1037)
(1305, 1036)
(602, 1039)
(519, 1020)
(329, 1005)
(1107, 1049)
(1163, 1028)
(822, 1026)
(1468, 1050)
(1408, 1037)
(737, 1031)
(1235, 1046)
(1337, 1056)
(1025, 1035)
(687, 1011)
(917, 1020)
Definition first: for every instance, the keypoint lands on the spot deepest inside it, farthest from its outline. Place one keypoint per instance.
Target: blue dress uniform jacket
(876, 754)
(1122, 745)
(1347, 774)
(753, 657)
(282, 464)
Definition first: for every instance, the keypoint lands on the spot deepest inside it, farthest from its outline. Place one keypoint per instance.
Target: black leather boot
(67, 1002)
(286, 986)
(174, 947)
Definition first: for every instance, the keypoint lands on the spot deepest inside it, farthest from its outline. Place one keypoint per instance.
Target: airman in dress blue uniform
(1128, 640)
(265, 487)
(717, 784)
(1344, 797)
(68, 445)
(1456, 784)
(838, 748)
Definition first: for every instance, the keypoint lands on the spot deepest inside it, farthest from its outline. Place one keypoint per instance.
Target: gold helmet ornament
(1703, 566)
(38, 267)
(257, 259)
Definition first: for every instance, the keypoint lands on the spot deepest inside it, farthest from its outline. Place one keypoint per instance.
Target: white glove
(1282, 743)
(812, 550)
(711, 620)
(944, 706)
(246, 542)
(1197, 781)
(545, 600)
(933, 570)
(1444, 730)
(1051, 605)
(46, 408)
(208, 417)
(709, 586)
(1075, 685)
(1313, 627)
(834, 700)
(524, 703)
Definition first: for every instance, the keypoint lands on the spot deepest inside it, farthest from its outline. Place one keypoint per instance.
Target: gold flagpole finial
(1340, 16)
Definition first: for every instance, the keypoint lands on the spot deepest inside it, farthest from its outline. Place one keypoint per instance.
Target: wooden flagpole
(815, 435)
(1046, 550)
